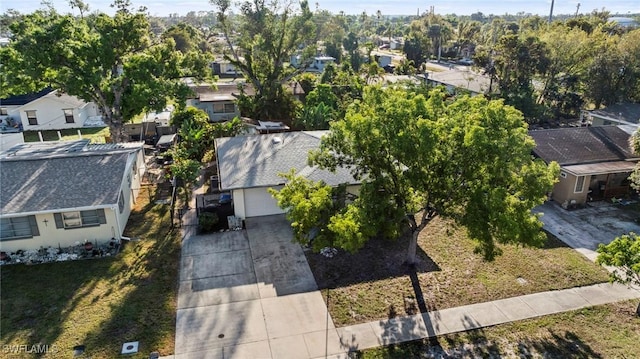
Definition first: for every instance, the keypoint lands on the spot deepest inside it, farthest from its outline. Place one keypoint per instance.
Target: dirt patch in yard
(374, 284)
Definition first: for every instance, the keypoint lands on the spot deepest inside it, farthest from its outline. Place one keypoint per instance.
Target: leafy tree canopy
(624, 254)
(112, 61)
(268, 34)
(420, 157)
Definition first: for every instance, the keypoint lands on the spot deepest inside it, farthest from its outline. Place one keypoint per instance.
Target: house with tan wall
(595, 162)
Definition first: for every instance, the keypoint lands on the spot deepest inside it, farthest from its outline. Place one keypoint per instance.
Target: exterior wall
(50, 115)
(238, 203)
(213, 116)
(130, 189)
(564, 190)
(50, 236)
(8, 140)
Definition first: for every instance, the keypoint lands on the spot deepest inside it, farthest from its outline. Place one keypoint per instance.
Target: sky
(387, 7)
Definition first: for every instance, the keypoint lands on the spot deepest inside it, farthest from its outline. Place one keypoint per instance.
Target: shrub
(207, 221)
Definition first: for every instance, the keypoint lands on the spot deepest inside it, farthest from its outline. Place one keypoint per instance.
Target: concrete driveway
(250, 294)
(584, 229)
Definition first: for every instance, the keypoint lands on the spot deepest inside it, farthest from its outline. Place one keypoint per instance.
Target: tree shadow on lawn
(379, 259)
(475, 344)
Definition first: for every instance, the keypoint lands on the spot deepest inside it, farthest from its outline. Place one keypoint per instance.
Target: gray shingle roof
(46, 183)
(628, 112)
(256, 160)
(582, 145)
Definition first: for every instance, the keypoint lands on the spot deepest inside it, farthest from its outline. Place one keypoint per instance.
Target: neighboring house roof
(257, 160)
(468, 80)
(41, 177)
(24, 99)
(628, 113)
(225, 91)
(583, 145)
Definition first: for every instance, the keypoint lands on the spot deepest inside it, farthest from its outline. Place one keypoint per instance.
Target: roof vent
(277, 140)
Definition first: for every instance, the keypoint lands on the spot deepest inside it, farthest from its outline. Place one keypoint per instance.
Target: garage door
(258, 202)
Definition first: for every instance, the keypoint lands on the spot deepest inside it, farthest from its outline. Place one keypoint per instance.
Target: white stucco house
(49, 110)
(249, 165)
(61, 193)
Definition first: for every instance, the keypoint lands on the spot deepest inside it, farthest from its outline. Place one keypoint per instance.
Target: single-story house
(219, 100)
(595, 162)
(249, 165)
(618, 114)
(49, 110)
(61, 193)
(454, 79)
(224, 68)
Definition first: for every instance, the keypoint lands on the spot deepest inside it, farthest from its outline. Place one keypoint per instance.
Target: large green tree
(110, 60)
(418, 158)
(624, 254)
(267, 35)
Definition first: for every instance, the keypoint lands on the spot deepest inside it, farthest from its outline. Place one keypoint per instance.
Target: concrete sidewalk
(474, 316)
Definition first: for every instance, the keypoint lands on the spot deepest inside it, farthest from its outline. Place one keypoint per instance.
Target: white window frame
(29, 118)
(68, 114)
(579, 181)
(79, 219)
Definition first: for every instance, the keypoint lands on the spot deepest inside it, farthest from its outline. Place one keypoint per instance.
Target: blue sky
(389, 7)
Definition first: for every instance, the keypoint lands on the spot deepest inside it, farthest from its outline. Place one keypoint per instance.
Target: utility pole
(551, 12)
(577, 9)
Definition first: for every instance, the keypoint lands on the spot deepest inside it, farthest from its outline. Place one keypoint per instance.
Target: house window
(18, 228)
(79, 219)
(579, 184)
(3, 111)
(224, 108)
(68, 116)
(31, 117)
(121, 202)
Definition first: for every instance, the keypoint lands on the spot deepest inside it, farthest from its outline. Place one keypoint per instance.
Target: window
(79, 219)
(121, 202)
(68, 116)
(31, 117)
(18, 228)
(3, 111)
(579, 184)
(224, 108)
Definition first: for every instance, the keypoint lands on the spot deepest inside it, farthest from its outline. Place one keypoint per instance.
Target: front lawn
(100, 303)
(607, 331)
(373, 284)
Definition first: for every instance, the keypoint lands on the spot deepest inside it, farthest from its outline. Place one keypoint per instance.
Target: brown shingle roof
(581, 145)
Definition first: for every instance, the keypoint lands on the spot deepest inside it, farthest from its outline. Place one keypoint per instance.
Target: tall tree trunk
(413, 246)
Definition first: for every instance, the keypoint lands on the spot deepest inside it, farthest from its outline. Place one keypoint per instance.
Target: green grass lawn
(95, 134)
(100, 303)
(608, 331)
(373, 284)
